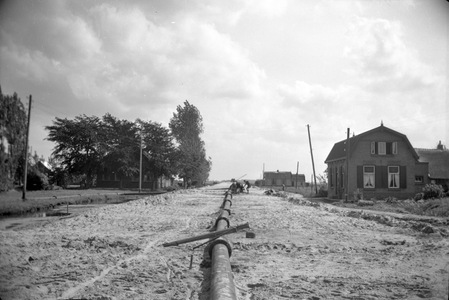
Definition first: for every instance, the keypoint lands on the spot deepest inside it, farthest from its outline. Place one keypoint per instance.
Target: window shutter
(384, 175)
(376, 148)
(373, 147)
(403, 177)
(378, 183)
(360, 177)
(389, 148)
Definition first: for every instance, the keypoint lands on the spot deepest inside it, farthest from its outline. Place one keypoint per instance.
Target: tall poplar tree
(12, 139)
(187, 127)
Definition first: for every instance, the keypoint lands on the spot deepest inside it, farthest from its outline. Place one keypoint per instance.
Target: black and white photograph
(241, 149)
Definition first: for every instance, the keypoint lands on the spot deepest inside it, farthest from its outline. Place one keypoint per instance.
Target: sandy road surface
(299, 252)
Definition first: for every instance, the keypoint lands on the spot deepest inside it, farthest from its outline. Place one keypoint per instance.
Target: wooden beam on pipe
(214, 234)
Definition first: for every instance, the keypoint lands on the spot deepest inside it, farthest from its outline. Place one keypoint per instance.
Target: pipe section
(222, 281)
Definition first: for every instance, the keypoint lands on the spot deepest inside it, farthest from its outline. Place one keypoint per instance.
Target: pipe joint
(222, 218)
(222, 242)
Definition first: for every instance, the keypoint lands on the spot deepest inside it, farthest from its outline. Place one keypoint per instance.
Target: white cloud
(381, 59)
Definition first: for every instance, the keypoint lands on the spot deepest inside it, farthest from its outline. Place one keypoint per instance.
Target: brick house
(283, 178)
(382, 163)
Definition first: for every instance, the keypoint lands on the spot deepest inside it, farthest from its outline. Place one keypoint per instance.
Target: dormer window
(394, 146)
(384, 148)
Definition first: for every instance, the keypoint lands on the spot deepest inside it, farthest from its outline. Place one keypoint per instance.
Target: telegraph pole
(263, 174)
(297, 169)
(25, 170)
(313, 164)
(140, 167)
(347, 166)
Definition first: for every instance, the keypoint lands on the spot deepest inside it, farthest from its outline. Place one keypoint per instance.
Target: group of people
(237, 187)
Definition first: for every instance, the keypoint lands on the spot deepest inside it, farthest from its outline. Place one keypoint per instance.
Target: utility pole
(297, 169)
(140, 173)
(313, 164)
(347, 166)
(263, 174)
(25, 170)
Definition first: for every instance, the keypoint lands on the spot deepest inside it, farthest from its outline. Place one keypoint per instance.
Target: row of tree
(89, 145)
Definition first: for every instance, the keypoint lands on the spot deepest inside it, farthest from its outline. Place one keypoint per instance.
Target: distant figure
(233, 187)
(283, 187)
(247, 186)
(239, 187)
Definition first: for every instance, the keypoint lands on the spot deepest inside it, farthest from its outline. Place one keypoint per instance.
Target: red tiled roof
(438, 162)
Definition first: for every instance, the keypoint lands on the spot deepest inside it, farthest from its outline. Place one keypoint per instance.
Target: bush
(418, 196)
(322, 192)
(170, 188)
(36, 180)
(358, 195)
(432, 191)
(391, 200)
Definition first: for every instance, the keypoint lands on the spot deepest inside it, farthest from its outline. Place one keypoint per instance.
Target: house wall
(421, 169)
(278, 179)
(301, 180)
(361, 156)
(337, 179)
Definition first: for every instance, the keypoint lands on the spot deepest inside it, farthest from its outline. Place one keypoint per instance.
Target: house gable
(339, 149)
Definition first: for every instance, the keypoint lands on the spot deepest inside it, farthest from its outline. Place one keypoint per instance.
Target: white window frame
(393, 178)
(419, 179)
(369, 178)
(382, 148)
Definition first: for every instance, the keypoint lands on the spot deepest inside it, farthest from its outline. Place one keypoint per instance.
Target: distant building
(277, 179)
(438, 160)
(109, 179)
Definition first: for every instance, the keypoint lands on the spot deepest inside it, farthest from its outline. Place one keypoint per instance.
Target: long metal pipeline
(222, 281)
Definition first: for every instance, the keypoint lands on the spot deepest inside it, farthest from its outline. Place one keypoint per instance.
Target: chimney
(440, 146)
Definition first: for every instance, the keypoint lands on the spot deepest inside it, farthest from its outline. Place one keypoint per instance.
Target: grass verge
(11, 203)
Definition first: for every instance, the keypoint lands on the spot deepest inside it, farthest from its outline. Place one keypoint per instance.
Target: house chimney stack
(440, 146)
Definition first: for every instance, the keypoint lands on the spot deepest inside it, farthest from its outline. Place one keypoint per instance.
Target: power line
(52, 108)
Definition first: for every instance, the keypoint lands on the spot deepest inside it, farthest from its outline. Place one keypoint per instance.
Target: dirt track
(301, 251)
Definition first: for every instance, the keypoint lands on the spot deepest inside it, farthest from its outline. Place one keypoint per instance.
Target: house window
(382, 148)
(395, 147)
(393, 177)
(368, 177)
(419, 179)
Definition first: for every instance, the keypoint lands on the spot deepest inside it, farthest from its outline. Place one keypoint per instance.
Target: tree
(12, 139)
(158, 144)
(79, 145)
(121, 146)
(187, 126)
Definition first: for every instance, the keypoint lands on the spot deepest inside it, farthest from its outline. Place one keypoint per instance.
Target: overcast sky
(259, 71)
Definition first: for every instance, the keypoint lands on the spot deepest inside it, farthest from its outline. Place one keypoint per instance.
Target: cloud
(382, 61)
(120, 57)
